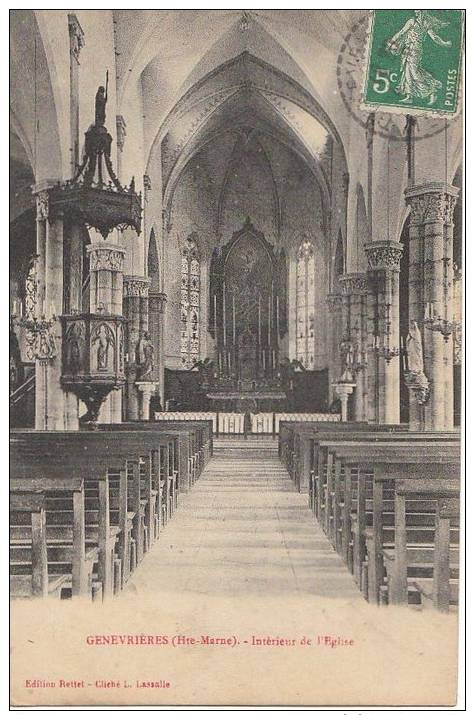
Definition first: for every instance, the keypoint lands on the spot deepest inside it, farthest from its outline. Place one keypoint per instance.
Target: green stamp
(413, 61)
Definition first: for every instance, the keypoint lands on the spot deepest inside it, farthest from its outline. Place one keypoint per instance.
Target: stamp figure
(413, 61)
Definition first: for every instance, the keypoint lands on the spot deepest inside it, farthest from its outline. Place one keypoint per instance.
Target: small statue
(350, 356)
(297, 366)
(103, 340)
(145, 355)
(415, 357)
(101, 101)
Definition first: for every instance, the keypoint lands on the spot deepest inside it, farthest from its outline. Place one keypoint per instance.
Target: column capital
(147, 388)
(384, 255)
(354, 283)
(136, 286)
(76, 36)
(160, 299)
(434, 201)
(334, 300)
(105, 257)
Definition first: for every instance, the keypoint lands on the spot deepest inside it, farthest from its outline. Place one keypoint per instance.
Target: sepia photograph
(236, 285)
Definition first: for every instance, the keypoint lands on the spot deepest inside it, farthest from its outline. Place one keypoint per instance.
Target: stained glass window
(306, 305)
(190, 304)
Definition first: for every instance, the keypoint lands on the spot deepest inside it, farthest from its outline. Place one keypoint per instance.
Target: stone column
(42, 210)
(146, 390)
(354, 288)
(136, 311)
(335, 331)
(55, 409)
(383, 314)
(431, 297)
(156, 317)
(343, 390)
(106, 265)
(73, 257)
(76, 43)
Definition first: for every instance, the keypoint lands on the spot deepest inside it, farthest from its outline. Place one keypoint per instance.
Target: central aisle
(244, 530)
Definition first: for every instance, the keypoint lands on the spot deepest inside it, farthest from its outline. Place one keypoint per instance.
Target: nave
(243, 530)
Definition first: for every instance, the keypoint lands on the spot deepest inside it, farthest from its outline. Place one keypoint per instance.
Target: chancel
(230, 282)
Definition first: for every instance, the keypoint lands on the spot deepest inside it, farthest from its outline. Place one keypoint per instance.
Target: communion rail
(260, 422)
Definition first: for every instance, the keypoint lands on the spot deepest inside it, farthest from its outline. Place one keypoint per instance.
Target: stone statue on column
(145, 356)
(414, 376)
(415, 356)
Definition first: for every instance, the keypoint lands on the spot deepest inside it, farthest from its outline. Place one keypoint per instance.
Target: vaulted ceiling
(189, 63)
(243, 95)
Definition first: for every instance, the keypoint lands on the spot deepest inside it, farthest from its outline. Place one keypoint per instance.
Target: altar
(247, 369)
(246, 396)
(248, 319)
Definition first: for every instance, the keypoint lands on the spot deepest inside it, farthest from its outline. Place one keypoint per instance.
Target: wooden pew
(387, 463)
(334, 480)
(145, 461)
(435, 568)
(322, 461)
(66, 553)
(99, 453)
(29, 571)
(193, 449)
(336, 453)
(295, 442)
(51, 460)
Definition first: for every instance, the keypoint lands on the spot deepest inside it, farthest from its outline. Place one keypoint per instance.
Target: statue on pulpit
(103, 340)
(100, 104)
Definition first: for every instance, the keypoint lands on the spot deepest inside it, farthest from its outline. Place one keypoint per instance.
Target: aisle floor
(244, 530)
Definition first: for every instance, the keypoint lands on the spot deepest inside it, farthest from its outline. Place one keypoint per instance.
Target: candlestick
(259, 320)
(215, 319)
(224, 312)
(278, 318)
(272, 303)
(234, 320)
(269, 322)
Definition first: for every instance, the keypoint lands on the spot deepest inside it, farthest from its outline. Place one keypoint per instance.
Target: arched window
(306, 305)
(190, 303)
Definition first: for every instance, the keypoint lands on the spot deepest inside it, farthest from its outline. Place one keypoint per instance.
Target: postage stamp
(413, 62)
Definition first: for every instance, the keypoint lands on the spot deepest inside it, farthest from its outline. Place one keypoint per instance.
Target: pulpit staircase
(22, 412)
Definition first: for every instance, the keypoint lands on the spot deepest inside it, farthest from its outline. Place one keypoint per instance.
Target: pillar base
(344, 389)
(147, 389)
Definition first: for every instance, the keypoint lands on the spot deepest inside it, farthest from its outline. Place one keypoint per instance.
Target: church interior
(223, 272)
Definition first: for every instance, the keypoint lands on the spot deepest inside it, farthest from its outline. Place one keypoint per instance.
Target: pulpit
(92, 358)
